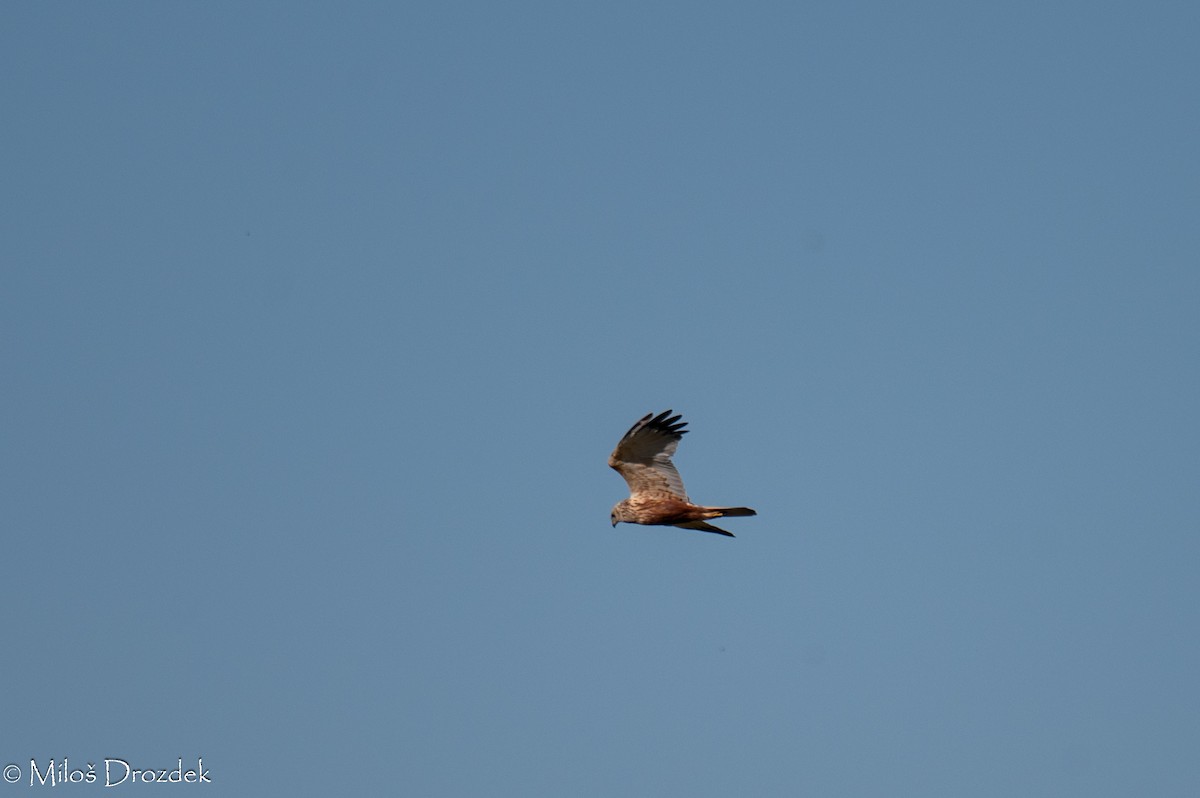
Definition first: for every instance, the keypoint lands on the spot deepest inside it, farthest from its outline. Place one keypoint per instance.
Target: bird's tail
(732, 511)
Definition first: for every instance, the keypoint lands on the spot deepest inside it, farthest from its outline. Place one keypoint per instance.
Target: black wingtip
(665, 422)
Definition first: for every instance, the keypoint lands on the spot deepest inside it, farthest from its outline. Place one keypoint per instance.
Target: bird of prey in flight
(656, 494)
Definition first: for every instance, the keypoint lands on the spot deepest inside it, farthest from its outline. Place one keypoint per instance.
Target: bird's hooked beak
(614, 523)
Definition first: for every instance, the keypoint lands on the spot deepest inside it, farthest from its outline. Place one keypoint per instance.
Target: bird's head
(621, 512)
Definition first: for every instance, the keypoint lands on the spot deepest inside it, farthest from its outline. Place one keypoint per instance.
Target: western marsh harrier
(656, 494)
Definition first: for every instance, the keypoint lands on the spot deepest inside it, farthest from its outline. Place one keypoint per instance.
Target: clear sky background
(319, 321)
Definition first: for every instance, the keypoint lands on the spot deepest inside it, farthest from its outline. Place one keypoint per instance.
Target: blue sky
(319, 321)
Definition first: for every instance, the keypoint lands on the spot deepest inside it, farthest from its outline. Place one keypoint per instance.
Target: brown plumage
(656, 494)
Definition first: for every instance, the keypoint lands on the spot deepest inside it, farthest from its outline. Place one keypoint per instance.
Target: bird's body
(656, 493)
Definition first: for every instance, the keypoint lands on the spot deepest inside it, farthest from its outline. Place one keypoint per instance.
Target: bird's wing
(704, 527)
(643, 456)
